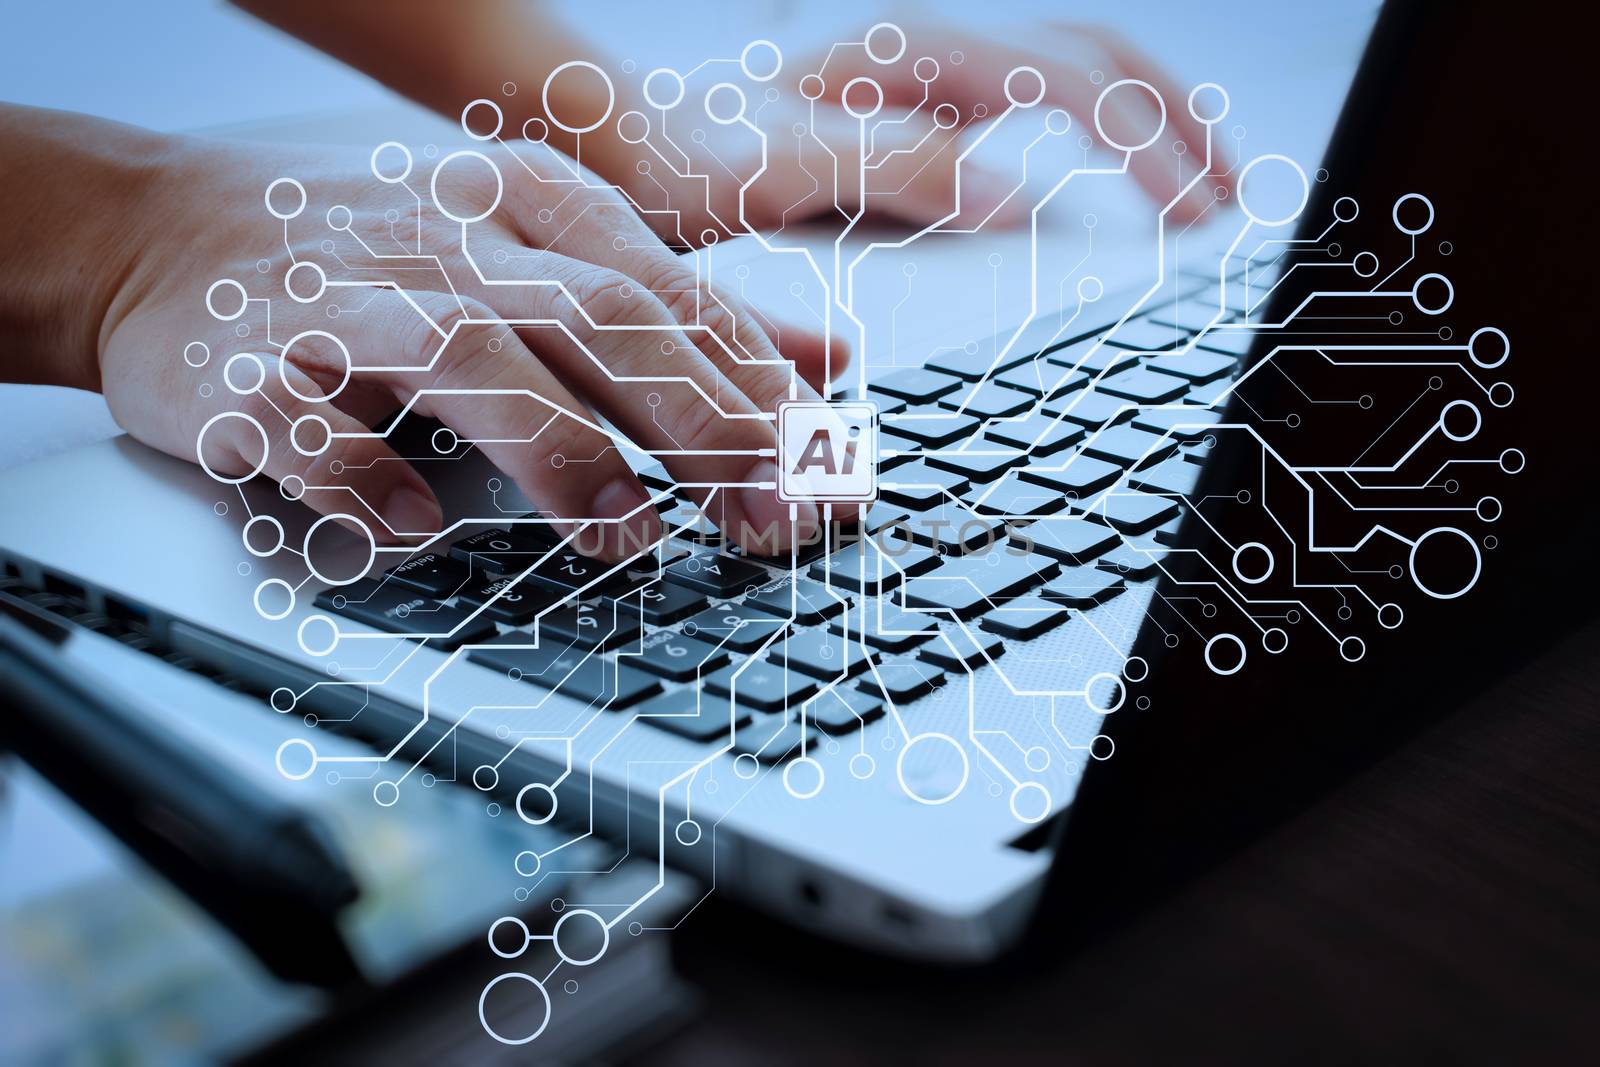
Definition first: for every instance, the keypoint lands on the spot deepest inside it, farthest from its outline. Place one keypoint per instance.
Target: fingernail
(408, 511)
(766, 518)
(623, 497)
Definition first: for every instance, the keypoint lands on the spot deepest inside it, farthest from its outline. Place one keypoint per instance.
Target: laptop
(929, 749)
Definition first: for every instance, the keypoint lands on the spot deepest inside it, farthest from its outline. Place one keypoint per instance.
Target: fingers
(818, 357)
(480, 379)
(619, 346)
(320, 455)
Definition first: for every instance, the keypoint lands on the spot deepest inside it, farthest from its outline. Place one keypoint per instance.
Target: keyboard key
(873, 567)
(1025, 618)
(771, 740)
(968, 586)
(987, 401)
(1037, 435)
(606, 625)
(1195, 365)
(1128, 447)
(1014, 499)
(1092, 357)
(821, 654)
(1077, 477)
(842, 711)
(1091, 410)
(973, 366)
(933, 427)
(1131, 513)
(716, 573)
(1172, 477)
(1181, 424)
(1042, 378)
(975, 466)
(507, 600)
(900, 680)
(570, 670)
(1191, 316)
(800, 600)
(433, 575)
(883, 514)
(915, 385)
(1142, 335)
(1229, 341)
(1070, 539)
(760, 685)
(677, 658)
(888, 628)
(1143, 386)
(952, 526)
(1136, 559)
(395, 609)
(736, 627)
(689, 714)
(970, 651)
(499, 550)
(1082, 587)
(664, 604)
(919, 486)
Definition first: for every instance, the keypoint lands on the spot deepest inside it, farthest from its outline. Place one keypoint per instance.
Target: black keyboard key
(1092, 409)
(1014, 500)
(1230, 341)
(1172, 477)
(499, 550)
(665, 604)
(1092, 357)
(952, 527)
(800, 600)
(1142, 335)
(822, 654)
(1128, 447)
(604, 625)
(1037, 435)
(980, 363)
(761, 685)
(507, 600)
(842, 711)
(882, 515)
(1196, 365)
(889, 628)
(1082, 587)
(1077, 477)
(1041, 378)
(1072, 540)
(1025, 618)
(932, 427)
(873, 566)
(1180, 424)
(1132, 513)
(977, 466)
(987, 401)
(433, 574)
(957, 651)
(900, 680)
(392, 608)
(771, 740)
(675, 657)
(1143, 386)
(915, 385)
(571, 670)
(1136, 559)
(1191, 316)
(565, 571)
(691, 714)
(919, 486)
(735, 627)
(716, 573)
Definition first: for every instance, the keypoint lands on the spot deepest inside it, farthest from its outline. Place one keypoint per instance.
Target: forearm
(73, 187)
(443, 55)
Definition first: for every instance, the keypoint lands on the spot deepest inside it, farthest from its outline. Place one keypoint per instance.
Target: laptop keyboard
(1013, 543)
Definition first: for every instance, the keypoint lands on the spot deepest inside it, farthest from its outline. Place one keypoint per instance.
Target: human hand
(937, 81)
(376, 300)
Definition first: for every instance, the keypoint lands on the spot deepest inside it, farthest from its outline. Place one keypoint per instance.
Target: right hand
(624, 319)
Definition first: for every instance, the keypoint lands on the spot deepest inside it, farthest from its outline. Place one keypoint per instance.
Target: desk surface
(1440, 907)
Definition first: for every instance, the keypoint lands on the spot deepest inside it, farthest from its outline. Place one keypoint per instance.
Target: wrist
(79, 189)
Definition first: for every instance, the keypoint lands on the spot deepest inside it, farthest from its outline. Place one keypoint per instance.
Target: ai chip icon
(827, 452)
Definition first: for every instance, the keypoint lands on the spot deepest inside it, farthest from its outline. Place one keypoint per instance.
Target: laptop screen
(1409, 459)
